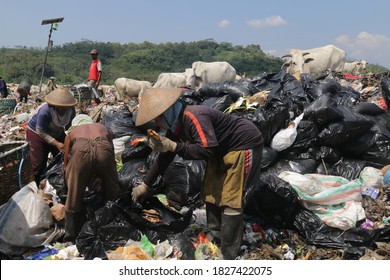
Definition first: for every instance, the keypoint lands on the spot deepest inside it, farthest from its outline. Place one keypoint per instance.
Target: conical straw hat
(61, 97)
(154, 102)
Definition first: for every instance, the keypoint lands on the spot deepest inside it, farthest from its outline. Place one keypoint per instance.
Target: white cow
(130, 87)
(317, 60)
(170, 80)
(208, 72)
(355, 67)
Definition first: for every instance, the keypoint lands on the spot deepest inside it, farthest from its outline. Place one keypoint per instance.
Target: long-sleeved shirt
(42, 124)
(204, 132)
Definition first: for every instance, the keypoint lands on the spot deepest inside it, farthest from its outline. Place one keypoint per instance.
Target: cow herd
(316, 60)
(196, 77)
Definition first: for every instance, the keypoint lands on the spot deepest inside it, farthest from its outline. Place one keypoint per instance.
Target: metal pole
(44, 64)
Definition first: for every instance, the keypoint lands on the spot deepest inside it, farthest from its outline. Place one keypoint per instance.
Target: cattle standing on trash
(317, 60)
(208, 72)
(355, 67)
(130, 87)
(170, 80)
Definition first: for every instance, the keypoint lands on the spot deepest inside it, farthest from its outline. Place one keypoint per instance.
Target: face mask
(170, 118)
(164, 123)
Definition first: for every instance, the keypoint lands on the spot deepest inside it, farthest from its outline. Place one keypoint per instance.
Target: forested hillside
(69, 63)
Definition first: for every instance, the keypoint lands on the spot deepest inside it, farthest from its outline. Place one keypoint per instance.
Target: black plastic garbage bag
(287, 90)
(121, 123)
(356, 147)
(118, 114)
(318, 233)
(109, 230)
(385, 86)
(269, 158)
(130, 170)
(191, 97)
(273, 200)
(348, 169)
(121, 220)
(347, 97)
(136, 147)
(219, 103)
(123, 127)
(306, 138)
(183, 246)
(378, 155)
(330, 155)
(183, 181)
(368, 108)
(323, 110)
(299, 154)
(53, 174)
(234, 89)
(350, 127)
(263, 81)
(322, 85)
(301, 166)
(269, 121)
(169, 221)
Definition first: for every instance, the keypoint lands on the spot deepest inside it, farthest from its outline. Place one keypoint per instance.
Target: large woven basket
(83, 93)
(7, 105)
(15, 168)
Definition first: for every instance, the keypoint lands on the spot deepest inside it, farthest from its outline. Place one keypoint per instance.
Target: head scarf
(60, 115)
(80, 120)
(170, 118)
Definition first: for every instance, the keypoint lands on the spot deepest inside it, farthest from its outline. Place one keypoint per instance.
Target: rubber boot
(231, 235)
(214, 216)
(73, 224)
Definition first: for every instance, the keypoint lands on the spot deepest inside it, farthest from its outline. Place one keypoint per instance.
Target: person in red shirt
(95, 74)
(231, 145)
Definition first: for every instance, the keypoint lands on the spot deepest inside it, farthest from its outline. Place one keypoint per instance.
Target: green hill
(69, 63)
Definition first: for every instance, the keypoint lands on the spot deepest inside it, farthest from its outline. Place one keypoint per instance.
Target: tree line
(69, 62)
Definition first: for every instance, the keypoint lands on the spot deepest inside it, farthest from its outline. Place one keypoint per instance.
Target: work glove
(140, 192)
(164, 145)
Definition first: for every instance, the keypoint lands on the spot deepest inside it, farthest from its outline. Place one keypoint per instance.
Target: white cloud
(372, 47)
(342, 40)
(224, 23)
(269, 21)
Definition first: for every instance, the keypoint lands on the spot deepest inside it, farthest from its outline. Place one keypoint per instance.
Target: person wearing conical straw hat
(46, 128)
(231, 145)
(89, 161)
(51, 84)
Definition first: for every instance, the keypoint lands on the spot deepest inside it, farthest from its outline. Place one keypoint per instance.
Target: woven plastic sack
(28, 215)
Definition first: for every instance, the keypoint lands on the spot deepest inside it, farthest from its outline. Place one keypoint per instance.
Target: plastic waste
(147, 246)
(205, 249)
(286, 137)
(371, 192)
(47, 251)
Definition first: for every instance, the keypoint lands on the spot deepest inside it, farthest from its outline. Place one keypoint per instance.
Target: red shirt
(94, 71)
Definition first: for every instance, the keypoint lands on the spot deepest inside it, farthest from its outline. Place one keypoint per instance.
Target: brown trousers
(90, 158)
(227, 178)
(39, 151)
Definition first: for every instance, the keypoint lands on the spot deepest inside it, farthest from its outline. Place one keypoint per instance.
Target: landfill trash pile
(320, 193)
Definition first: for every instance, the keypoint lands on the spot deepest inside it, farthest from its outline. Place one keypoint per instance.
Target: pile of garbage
(320, 194)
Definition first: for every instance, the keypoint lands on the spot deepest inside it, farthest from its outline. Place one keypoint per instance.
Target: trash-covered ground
(333, 126)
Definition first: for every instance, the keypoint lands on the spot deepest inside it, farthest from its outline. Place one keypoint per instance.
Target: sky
(360, 27)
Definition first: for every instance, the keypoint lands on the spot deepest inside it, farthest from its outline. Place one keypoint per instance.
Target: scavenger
(231, 145)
